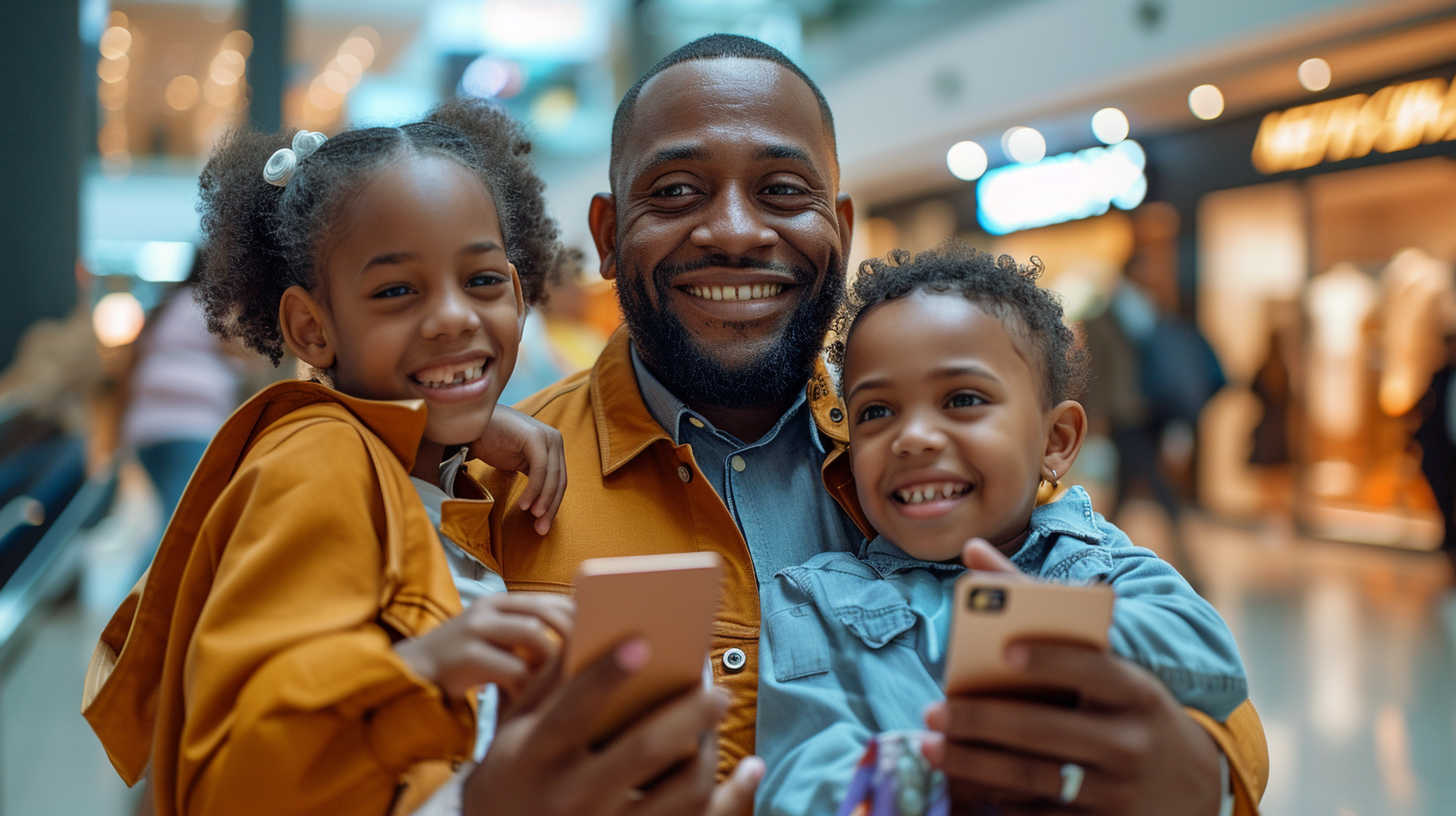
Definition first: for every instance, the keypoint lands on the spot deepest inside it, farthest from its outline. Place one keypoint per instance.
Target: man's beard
(696, 377)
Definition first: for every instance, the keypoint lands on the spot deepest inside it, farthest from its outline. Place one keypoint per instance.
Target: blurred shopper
(1437, 438)
(559, 337)
(709, 424)
(184, 383)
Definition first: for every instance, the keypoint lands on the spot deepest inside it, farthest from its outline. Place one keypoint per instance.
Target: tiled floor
(1351, 653)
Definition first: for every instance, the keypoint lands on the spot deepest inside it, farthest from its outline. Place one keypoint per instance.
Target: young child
(958, 378)
(298, 645)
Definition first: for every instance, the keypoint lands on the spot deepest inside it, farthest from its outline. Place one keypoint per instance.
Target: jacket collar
(399, 424)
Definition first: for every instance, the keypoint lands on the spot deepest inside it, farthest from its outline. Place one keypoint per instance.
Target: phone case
(991, 612)
(667, 599)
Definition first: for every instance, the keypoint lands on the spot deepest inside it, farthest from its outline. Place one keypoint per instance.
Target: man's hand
(1141, 753)
(541, 761)
(514, 441)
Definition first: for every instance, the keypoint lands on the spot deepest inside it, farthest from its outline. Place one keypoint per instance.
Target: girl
(959, 381)
(298, 644)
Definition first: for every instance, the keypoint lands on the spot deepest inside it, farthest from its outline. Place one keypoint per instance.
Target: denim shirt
(760, 481)
(856, 645)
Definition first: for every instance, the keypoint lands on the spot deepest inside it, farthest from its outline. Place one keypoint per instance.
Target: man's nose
(733, 224)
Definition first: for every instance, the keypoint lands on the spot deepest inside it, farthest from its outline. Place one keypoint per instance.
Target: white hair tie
(284, 161)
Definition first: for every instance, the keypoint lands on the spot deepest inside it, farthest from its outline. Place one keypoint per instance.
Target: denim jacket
(855, 645)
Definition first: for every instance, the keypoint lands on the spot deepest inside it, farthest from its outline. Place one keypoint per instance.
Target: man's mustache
(803, 275)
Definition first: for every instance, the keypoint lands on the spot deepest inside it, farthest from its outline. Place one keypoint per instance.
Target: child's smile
(949, 433)
(417, 299)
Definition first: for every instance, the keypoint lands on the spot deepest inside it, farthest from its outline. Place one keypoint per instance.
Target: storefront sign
(1395, 118)
(1061, 188)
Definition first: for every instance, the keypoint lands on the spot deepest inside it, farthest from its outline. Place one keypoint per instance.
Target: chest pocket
(872, 611)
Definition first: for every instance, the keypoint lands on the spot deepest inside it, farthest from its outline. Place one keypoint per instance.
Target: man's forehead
(750, 91)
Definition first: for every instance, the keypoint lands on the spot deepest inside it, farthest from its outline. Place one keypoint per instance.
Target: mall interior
(1248, 208)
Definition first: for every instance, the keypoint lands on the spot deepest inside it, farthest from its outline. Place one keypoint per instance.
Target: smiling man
(707, 424)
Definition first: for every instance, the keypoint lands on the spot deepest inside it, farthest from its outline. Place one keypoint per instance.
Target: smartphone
(991, 612)
(668, 600)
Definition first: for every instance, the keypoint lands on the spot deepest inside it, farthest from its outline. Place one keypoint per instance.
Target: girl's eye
(873, 412)
(964, 399)
(486, 279)
(398, 290)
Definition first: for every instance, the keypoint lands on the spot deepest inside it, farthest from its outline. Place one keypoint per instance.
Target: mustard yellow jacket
(632, 491)
(253, 667)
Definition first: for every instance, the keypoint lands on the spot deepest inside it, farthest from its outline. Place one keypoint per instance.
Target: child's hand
(978, 554)
(517, 442)
(502, 638)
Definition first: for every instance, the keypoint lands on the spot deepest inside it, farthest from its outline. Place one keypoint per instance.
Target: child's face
(948, 433)
(419, 296)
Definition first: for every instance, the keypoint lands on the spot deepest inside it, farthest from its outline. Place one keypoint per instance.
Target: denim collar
(1070, 515)
(670, 412)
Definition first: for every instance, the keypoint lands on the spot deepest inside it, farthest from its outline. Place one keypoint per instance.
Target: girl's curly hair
(260, 239)
(999, 285)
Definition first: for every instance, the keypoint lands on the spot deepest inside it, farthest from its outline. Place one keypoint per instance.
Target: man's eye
(675, 191)
(398, 290)
(873, 412)
(782, 189)
(964, 399)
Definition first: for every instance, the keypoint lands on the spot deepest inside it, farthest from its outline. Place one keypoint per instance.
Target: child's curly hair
(999, 285)
(260, 239)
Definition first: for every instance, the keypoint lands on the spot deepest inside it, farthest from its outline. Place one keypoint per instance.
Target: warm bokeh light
(220, 96)
(111, 138)
(1206, 102)
(115, 42)
(239, 41)
(117, 319)
(113, 69)
(322, 96)
(554, 109)
(227, 67)
(966, 160)
(1024, 145)
(182, 93)
(1110, 125)
(1314, 74)
(112, 95)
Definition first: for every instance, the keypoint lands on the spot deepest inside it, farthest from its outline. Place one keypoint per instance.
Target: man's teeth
(441, 376)
(745, 292)
(931, 492)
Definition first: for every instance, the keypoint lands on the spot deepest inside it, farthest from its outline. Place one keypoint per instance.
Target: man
(727, 236)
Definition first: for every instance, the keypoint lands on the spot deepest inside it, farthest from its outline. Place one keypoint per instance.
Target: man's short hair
(713, 46)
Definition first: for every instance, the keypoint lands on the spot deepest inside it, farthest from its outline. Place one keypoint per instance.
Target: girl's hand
(526, 445)
(502, 639)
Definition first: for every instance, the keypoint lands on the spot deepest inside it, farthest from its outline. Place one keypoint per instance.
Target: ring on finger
(1072, 776)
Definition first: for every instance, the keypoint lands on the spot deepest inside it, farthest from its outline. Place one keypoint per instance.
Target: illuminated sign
(1061, 188)
(1395, 118)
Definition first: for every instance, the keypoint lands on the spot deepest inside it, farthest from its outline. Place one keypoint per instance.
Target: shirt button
(734, 660)
(695, 422)
(738, 463)
(684, 473)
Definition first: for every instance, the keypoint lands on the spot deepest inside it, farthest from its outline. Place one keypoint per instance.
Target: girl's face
(948, 434)
(418, 299)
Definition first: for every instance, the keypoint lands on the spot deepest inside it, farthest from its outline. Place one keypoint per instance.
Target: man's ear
(305, 328)
(1066, 432)
(844, 208)
(602, 219)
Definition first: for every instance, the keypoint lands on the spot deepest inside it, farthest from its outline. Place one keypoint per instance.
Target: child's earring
(1046, 490)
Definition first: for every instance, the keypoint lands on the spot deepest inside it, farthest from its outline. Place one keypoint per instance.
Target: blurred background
(1248, 206)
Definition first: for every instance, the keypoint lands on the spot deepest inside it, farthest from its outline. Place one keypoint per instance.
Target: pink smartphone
(669, 600)
(991, 612)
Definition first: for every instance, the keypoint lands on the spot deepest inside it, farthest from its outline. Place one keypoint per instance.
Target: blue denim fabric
(855, 645)
(778, 498)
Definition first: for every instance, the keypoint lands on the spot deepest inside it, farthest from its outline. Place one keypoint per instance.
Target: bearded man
(707, 424)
